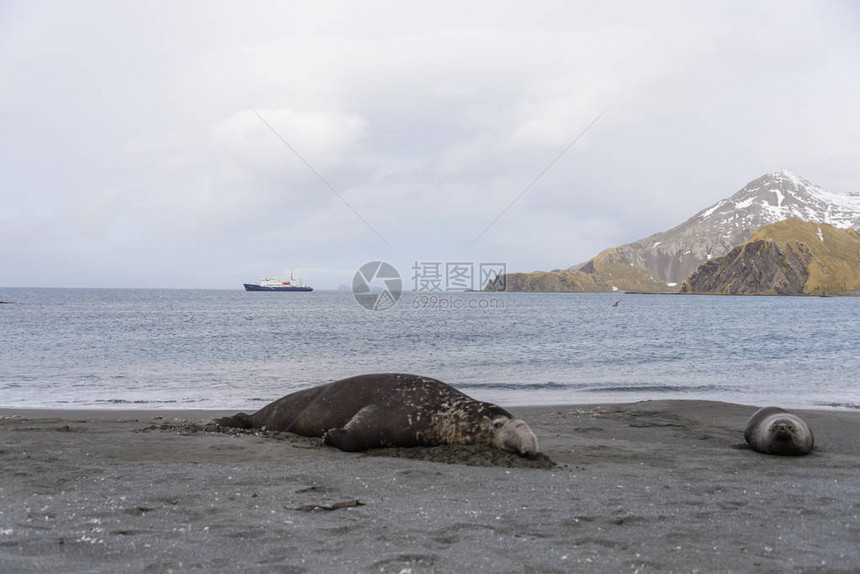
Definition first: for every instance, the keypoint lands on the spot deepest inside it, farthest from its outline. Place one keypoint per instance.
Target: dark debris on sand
(467, 454)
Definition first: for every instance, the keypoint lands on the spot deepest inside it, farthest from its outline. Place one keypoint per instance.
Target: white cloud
(323, 137)
(128, 128)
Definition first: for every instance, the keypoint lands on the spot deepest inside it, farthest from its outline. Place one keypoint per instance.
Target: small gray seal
(391, 409)
(772, 430)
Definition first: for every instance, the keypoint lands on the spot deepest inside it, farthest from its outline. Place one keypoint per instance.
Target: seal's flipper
(360, 433)
(344, 440)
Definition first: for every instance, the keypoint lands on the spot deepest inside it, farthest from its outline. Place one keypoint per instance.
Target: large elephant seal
(772, 430)
(391, 409)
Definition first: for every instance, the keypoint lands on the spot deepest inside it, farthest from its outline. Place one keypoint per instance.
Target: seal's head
(514, 435)
(787, 436)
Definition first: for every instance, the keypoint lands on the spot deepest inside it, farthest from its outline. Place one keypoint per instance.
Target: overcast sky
(131, 154)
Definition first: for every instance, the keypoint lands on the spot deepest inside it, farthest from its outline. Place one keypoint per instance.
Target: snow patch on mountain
(779, 197)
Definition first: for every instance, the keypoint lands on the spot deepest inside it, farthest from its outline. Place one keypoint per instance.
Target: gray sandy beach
(656, 486)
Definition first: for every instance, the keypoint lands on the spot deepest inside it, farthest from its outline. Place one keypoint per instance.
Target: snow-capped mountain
(673, 255)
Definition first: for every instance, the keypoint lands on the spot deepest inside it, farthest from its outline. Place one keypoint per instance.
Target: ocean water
(229, 349)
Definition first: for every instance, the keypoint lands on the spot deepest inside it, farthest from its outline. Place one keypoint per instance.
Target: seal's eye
(498, 424)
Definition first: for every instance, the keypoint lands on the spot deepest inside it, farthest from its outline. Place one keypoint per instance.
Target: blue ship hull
(255, 287)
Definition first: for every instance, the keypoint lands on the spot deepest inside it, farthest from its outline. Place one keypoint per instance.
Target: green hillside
(836, 251)
(604, 273)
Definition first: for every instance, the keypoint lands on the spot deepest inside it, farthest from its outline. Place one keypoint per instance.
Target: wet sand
(654, 486)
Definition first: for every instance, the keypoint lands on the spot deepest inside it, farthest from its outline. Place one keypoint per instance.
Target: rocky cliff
(791, 257)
